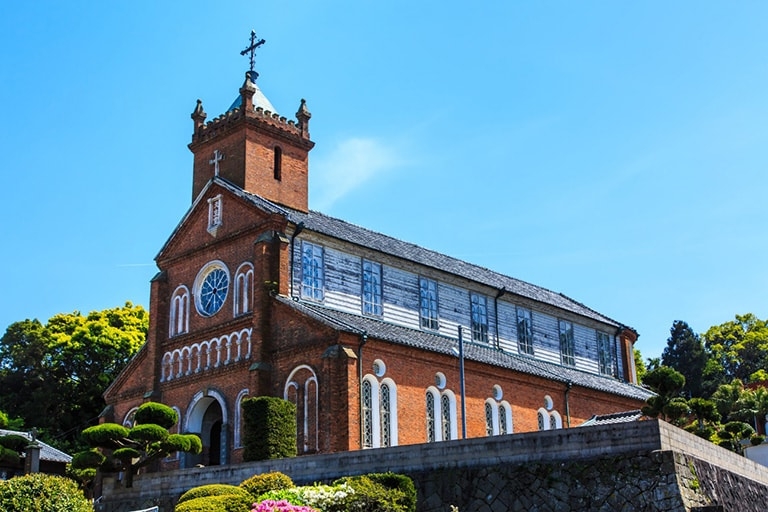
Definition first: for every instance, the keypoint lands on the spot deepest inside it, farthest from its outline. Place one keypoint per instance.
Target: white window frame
(478, 304)
(524, 317)
(372, 288)
(429, 317)
(567, 343)
(312, 271)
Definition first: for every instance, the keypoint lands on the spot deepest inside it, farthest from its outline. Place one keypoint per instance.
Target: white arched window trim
(179, 319)
(543, 419)
(242, 395)
(243, 289)
(453, 424)
(128, 420)
(505, 409)
(437, 416)
(291, 383)
(393, 439)
(494, 416)
(556, 421)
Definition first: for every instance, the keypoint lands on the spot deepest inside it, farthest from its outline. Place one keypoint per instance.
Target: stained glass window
(386, 411)
(488, 419)
(445, 403)
(503, 427)
(431, 432)
(367, 415)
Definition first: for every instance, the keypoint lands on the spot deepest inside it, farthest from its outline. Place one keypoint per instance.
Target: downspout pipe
(568, 386)
(363, 341)
(496, 312)
(299, 229)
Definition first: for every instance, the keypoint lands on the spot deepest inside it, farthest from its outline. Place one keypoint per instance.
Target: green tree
(117, 448)
(667, 383)
(738, 348)
(640, 368)
(53, 376)
(685, 353)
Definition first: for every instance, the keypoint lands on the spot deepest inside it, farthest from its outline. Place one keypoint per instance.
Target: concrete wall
(633, 466)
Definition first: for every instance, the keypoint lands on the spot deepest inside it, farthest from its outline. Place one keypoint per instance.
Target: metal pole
(463, 392)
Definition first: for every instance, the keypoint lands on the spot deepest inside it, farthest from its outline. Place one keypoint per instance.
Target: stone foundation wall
(648, 465)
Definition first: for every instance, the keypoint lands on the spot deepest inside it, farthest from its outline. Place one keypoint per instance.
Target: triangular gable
(238, 211)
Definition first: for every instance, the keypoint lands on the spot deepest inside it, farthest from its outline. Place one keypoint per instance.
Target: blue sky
(611, 151)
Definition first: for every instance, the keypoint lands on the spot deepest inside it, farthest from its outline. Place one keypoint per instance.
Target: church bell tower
(254, 147)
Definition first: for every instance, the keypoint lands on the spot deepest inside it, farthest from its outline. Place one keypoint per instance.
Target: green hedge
(42, 493)
(377, 492)
(215, 490)
(223, 503)
(270, 428)
(265, 482)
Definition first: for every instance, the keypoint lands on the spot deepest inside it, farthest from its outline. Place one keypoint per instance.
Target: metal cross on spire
(251, 49)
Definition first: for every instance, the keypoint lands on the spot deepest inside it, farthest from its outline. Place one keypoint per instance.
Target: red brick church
(257, 294)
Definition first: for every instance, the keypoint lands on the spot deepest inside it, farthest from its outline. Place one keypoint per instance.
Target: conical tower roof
(259, 100)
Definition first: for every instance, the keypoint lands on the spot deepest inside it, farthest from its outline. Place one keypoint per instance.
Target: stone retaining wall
(647, 465)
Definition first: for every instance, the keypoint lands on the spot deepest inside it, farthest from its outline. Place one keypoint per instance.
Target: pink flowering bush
(279, 506)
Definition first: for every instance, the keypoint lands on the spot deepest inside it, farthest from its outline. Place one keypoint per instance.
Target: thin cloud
(351, 164)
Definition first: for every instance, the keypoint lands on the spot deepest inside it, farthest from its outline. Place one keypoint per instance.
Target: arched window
(445, 406)
(239, 417)
(432, 415)
(367, 414)
(489, 423)
(543, 419)
(301, 388)
(243, 289)
(278, 165)
(505, 418)
(556, 421)
(441, 415)
(179, 319)
(386, 415)
(129, 420)
(379, 409)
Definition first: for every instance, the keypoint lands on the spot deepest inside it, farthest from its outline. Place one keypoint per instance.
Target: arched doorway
(207, 418)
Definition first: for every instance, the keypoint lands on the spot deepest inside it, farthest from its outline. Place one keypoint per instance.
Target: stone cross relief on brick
(217, 157)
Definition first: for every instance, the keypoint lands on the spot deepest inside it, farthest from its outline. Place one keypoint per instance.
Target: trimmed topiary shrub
(270, 428)
(265, 482)
(223, 503)
(157, 414)
(215, 490)
(42, 493)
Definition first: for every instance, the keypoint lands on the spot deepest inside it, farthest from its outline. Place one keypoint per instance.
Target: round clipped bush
(265, 482)
(214, 490)
(157, 414)
(14, 442)
(106, 434)
(42, 493)
(87, 459)
(150, 433)
(223, 503)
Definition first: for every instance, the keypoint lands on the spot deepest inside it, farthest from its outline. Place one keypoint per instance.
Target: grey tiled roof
(342, 230)
(609, 419)
(47, 452)
(433, 342)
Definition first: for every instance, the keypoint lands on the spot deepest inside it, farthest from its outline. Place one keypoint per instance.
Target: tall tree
(52, 376)
(685, 353)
